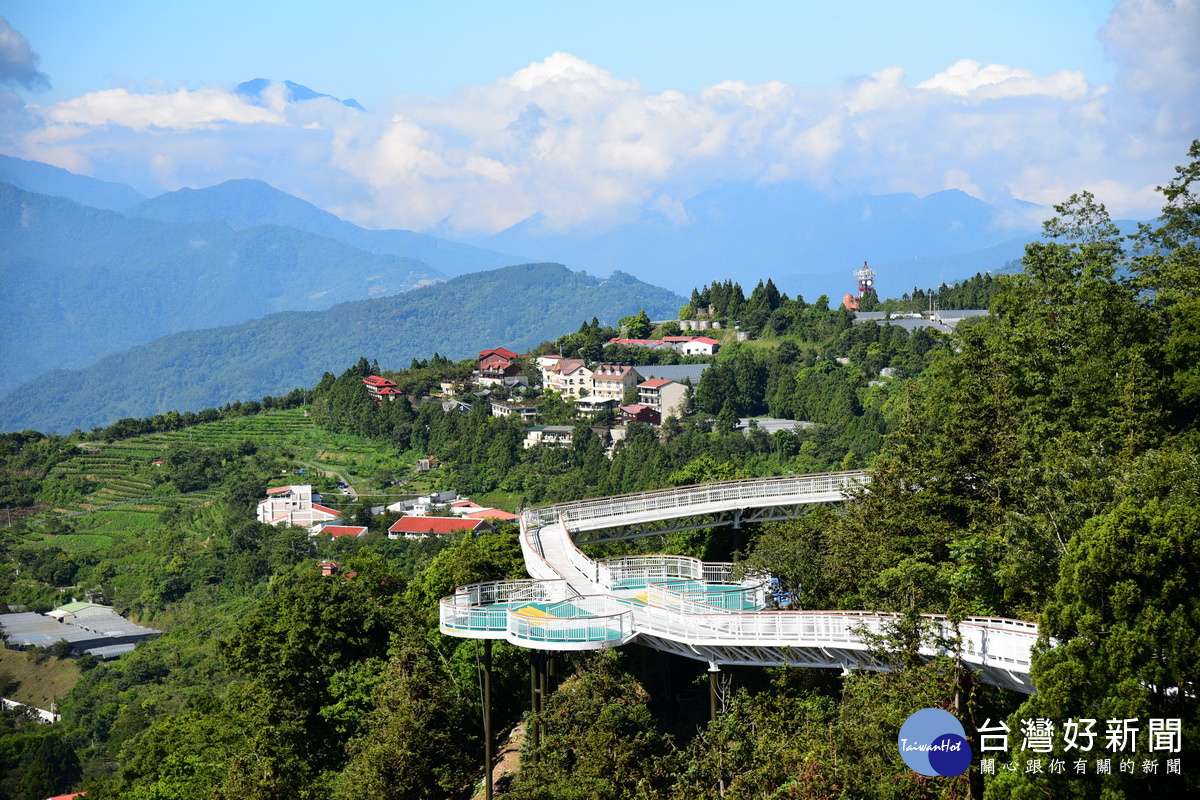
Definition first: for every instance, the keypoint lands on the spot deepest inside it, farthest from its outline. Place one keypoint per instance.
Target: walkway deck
(696, 609)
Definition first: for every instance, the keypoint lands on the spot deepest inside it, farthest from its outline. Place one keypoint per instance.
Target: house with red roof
(413, 527)
(494, 514)
(337, 531)
(382, 390)
(497, 364)
(684, 345)
(638, 413)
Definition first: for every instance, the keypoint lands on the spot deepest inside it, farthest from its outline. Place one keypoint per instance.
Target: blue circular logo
(932, 742)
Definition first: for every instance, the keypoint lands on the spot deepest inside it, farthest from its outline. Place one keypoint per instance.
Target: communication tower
(866, 280)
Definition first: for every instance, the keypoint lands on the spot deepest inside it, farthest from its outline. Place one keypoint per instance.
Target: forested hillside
(81, 282)
(1043, 464)
(518, 306)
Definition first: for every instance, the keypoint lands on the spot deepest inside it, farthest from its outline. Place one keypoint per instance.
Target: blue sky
(372, 50)
(480, 114)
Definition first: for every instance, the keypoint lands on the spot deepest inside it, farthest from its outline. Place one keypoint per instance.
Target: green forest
(1042, 463)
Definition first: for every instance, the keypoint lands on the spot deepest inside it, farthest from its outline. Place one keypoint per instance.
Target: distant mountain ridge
(517, 307)
(33, 176)
(805, 240)
(244, 202)
(295, 92)
(82, 282)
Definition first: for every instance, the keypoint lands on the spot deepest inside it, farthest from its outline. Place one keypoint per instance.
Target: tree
(637, 326)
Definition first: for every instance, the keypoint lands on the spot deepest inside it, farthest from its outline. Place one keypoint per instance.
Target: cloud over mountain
(569, 141)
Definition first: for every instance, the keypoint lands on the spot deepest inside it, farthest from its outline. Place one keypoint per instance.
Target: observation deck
(697, 609)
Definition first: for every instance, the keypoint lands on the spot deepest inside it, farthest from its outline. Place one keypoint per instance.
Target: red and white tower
(866, 280)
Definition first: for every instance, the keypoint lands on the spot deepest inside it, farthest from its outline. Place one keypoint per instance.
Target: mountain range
(82, 282)
(92, 267)
(807, 241)
(516, 307)
(246, 203)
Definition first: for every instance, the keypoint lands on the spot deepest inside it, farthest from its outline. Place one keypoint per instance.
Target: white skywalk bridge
(691, 608)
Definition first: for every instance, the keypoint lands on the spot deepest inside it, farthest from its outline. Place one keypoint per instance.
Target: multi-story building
(382, 390)
(611, 381)
(667, 397)
(497, 364)
(570, 377)
(294, 505)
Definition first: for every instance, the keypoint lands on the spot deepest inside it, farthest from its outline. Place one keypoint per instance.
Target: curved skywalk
(696, 609)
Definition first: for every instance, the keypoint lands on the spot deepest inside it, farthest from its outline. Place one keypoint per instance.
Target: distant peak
(296, 93)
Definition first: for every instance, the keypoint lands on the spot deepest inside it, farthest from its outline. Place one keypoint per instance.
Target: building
(570, 377)
(772, 424)
(593, 404)
(548, 434)
(522, 410)
(415, 527)
(693, 345)
(89, 628)
(639, 413)
(667, 397)
(611, 381)
(298, 505)
(560, 435)
(382, 390)
(684, 345)
(336, 531)
(673, 372)
(424, 504)
(496, 364)
(494, 515)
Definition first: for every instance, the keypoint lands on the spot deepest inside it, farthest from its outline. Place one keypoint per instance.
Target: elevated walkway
(696, 609)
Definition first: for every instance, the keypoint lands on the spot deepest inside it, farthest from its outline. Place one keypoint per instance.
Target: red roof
(375, 380)
(634, 409)
(655, 383)
(705, 340)
(493, 513)
(499, 351)
(344, 530)
(325, 509)
(279, 489)
(438, 525)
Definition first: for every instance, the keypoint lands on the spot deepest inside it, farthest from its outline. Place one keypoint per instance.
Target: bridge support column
(488, 744)
(713, 676)
(543, 671)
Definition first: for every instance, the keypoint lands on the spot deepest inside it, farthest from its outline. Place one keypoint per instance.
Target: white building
(298, 506)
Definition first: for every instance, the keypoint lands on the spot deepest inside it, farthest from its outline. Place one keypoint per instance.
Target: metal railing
(688, 600)
(584, 620)
(677, 501)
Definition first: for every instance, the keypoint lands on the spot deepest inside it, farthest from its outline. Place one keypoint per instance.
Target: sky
(480, 114)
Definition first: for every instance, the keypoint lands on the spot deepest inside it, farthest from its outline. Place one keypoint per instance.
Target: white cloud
(968, 78)
(179, 110)
(570, 141)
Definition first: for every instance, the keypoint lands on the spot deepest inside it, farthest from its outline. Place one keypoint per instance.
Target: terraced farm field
(123, 473)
